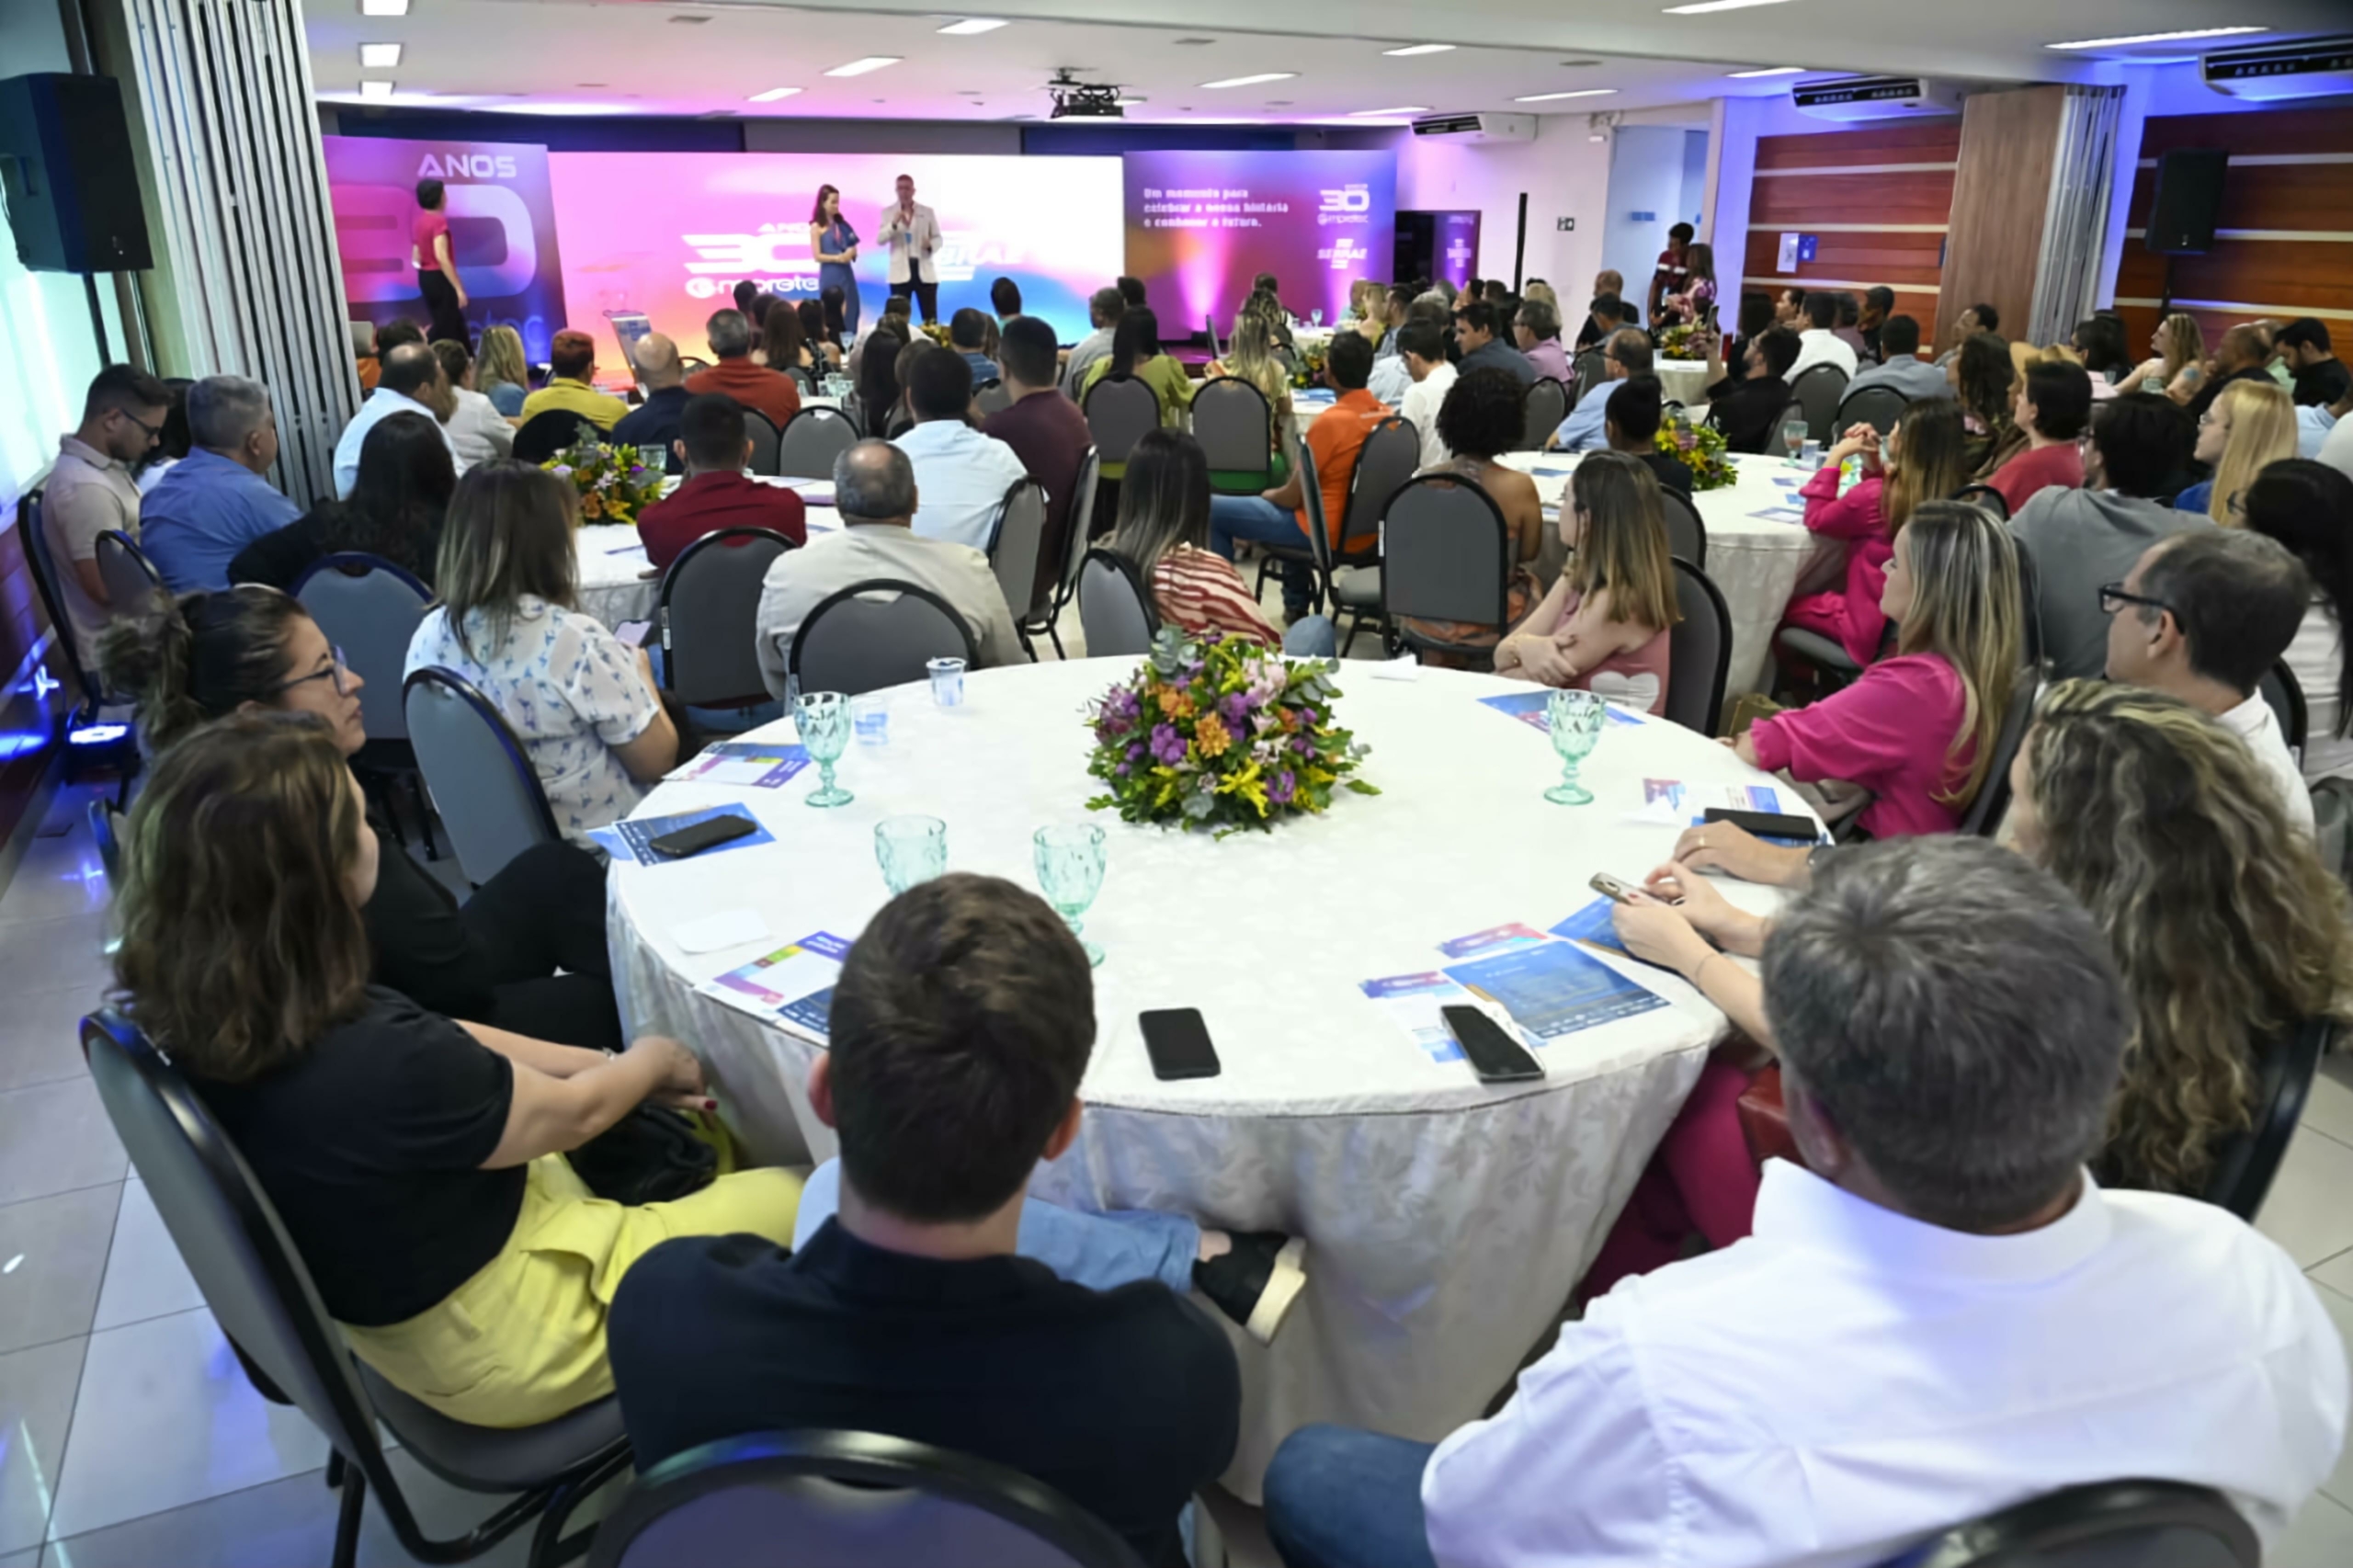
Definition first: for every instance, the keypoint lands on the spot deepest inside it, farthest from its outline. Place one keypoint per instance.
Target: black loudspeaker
(71, 181)
(2187, 199)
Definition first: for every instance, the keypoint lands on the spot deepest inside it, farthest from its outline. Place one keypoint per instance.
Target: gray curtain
(2074, 221)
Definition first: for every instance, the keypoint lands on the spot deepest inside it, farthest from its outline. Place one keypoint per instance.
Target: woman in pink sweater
(1923, 460)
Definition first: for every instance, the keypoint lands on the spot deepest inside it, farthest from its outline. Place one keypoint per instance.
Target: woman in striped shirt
(1163, 533)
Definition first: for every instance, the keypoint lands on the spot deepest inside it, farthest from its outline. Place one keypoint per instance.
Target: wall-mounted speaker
(2188, 200)
(73, 183)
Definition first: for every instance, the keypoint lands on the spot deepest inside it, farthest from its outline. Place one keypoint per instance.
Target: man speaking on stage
(912, 231)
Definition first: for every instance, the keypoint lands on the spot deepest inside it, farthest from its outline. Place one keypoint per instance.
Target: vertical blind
(246, 228)
(2074, 221)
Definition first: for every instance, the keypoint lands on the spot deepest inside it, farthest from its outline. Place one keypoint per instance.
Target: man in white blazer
(912, 231)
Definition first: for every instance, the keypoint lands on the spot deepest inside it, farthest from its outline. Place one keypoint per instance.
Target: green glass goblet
(1070, 870)
(909, 850)
(1575, 718)
(824, 721)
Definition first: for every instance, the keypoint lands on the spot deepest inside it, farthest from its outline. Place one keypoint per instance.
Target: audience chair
(1352, 588)
(1880, 407)
(848, 1498)
(804, 380)
(762, 432)
(105, 832)
(1591, 372)
(993, 396)
(1116, 614)
(1235, 427)
(1118, 412)
(1698, 650)
(1818, 390)
(1832, 666)
(2245, 1162)
(880, 632)
(708, 611)
(1445, 555)
(1686, 535)
(1078, 520)
(85, 681)
(134, 586)
(811, 439)
(257, 1287)
(2287, 700)
(1790, 410)
(1983, 818)
(482, 781)
(1984, 495)
(2333, 825)
(1547, 406)
(1014, 544)
(370, 608)
(2108, 1524)
(1391, 455)
(552, 430)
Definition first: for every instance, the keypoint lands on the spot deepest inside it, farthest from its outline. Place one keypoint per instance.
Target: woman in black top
(495, 959)
(415, 1163)
(397, 502)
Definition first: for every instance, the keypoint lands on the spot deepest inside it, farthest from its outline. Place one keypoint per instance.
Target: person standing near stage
(437, 273)
(912, 231)
(834, 245)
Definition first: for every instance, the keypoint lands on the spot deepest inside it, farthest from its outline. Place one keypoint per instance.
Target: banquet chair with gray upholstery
(884, 631)
(1234, 425)
(810, 442)
(1115, 609)
(1119, 411)
(484, 787)
(761, 431)
(1445, 555)
(1686, 535)
(1014, 544)
(708, 615)
(1818, 390)
(1078, 520)
(1547, 406)
(1878, 405)
(1699, 652)
(134, 586)
(2106, 1524)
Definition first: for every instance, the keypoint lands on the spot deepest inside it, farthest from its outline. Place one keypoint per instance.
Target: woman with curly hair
(1980, 376)
(2177, 359)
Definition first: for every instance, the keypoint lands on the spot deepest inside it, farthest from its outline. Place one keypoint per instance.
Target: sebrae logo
(1345, 255)
(466, 166)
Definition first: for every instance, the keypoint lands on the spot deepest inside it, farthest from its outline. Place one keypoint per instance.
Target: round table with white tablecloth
(1683, 381)
(1756, 561)
(1446, 1221)
(617, 582)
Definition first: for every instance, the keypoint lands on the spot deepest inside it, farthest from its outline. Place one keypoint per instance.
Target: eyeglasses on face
(336, 670)
(2112, 598)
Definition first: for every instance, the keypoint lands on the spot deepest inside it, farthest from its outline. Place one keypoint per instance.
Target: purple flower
(1236, 708)
(1121, 770)
(1120, 703)
(1135, 751)
(1167, 745)
(1282, 790)
(1302, 744)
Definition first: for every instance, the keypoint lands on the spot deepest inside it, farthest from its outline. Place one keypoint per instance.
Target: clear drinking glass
(1317, 316)
(909, 850)
(1793, 437)
(869, 719)
(1575, 718)
(824, 721)
(1070, 870)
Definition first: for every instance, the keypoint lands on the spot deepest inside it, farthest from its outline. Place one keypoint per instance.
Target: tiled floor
(128, 1438)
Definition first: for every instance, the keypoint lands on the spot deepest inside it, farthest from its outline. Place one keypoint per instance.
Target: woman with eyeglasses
(525, 952)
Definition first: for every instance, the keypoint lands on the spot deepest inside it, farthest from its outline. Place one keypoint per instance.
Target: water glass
(870, 718)
(1809, 455)
(823, 718)
(909, 850)
(1070, 870)
(946, 682)
(1317, 316)
(1575, 718)
(1794, 434)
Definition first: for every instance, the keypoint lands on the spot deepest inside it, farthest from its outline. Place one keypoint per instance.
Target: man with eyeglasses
(90, 491)
(1627, 353)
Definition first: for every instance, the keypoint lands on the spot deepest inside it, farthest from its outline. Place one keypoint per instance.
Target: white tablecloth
(617, 582)
(1447, 1222)
(1755, 562)
(1683, 381)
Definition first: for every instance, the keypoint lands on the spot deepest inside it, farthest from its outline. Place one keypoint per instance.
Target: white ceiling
(682, 57)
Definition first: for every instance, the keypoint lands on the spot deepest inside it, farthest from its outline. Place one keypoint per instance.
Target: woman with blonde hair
(1604, 626)
(2177, 361)
(2249, 426)
(1250, 357)
(1922, 458)
(500, 372)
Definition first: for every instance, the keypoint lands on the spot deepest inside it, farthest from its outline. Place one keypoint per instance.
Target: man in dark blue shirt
(214, 501)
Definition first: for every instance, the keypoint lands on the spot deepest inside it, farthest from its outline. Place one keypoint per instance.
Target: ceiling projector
(1077, 99)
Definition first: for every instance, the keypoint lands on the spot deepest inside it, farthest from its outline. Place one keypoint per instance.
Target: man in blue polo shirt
(214, 501)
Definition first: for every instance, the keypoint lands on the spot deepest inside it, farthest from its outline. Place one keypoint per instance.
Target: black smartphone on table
(697, 836)
(1178, 1043)
(1493, 1053)
(1767, 824)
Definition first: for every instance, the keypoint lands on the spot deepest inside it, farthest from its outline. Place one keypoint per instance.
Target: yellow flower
(1211, 737)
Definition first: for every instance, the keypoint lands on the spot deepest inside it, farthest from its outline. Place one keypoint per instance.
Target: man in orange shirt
(766, 392)
(1279, 516)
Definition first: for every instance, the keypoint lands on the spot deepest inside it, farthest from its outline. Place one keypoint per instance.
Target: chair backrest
(1310, 492)
(1446, 553)
(848, 1498)
(482, 781)
(2245, 1162)
(1698, 650)
(1115, 611)
(804, 380)
(1547, 406)
(105, 832)
(1118, 413)
(1591, 372)
(369, 609)
(1081, 519)
(1983, 818)
(993, 396)
(1234, 425)
(2280, 689)
(762, 432)
(1686, 535)
(709, 613)
(811, 439)
(549, 432)
(854, 643)
(134, 586)
(1790, 410)
(1817, 391)
(52, 596)
(1879, 404)
(1014, 543)
(2106, 1524)
(1386, 461)
(1984, 495)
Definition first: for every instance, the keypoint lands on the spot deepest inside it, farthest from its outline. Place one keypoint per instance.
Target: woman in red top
(437, 273)
(2054, 407)
(1923, 460)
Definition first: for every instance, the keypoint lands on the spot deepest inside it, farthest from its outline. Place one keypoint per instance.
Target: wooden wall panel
(1897, 141)
(1789, 201)
(2008, 144)
(2270, 195)
(1870, 227)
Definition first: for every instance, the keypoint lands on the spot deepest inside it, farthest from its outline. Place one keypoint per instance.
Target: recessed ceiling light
(1420, 49)
(1131, 103)
(1583, 92)
(1580, 63)
(1375, 113)
(1280, 103)
(972, 25)
(693, 22)
(375, 89)
(378, 56)
(860, 67)
(383, 7)
(2155, 37)
(772, 94)
(1768, 71)
(1253, 81)
(592, 84)
(1193, 42)
(1706, 6)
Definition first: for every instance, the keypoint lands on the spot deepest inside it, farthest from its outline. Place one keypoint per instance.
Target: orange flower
(1209, 736)
(1176, 704)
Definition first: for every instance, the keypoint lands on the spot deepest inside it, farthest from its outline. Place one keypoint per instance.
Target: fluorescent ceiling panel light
(1253, 81)
(1547, 97)
(1706, 6)
(383, 7)
(378, 56)
(1407, 108)
(972, 25)
(860, 67)
(2155, 37)
(1420, 49)
(1768, 70)
(772, 94)
(375, 89)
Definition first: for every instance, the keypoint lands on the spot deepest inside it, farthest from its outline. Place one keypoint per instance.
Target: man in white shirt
(1104, 309)
(1820, 343)
(875, 491)
(911, 230)
(2204, 616)
(963, 474)
(1422, 346)
(412, 382)
(1938, 1316)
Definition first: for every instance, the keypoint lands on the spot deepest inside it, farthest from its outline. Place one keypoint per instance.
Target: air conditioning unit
(1876, 97)
(2315, 68)
(1478, 126)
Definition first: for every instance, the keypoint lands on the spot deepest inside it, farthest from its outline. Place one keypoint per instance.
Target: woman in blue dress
(834, 245)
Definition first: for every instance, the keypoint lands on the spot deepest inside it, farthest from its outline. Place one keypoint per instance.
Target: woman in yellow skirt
(418, 1163)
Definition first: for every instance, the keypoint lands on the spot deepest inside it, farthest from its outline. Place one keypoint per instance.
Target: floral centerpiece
(1699, 447)
(615, 482)
(1307, 367)
(1221, 734)
(937, 332)
(1684, 341)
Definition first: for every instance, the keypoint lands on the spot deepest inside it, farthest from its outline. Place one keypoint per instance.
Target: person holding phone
(834, 245)
(912, 232)
(1921, 460)
(437, 271)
